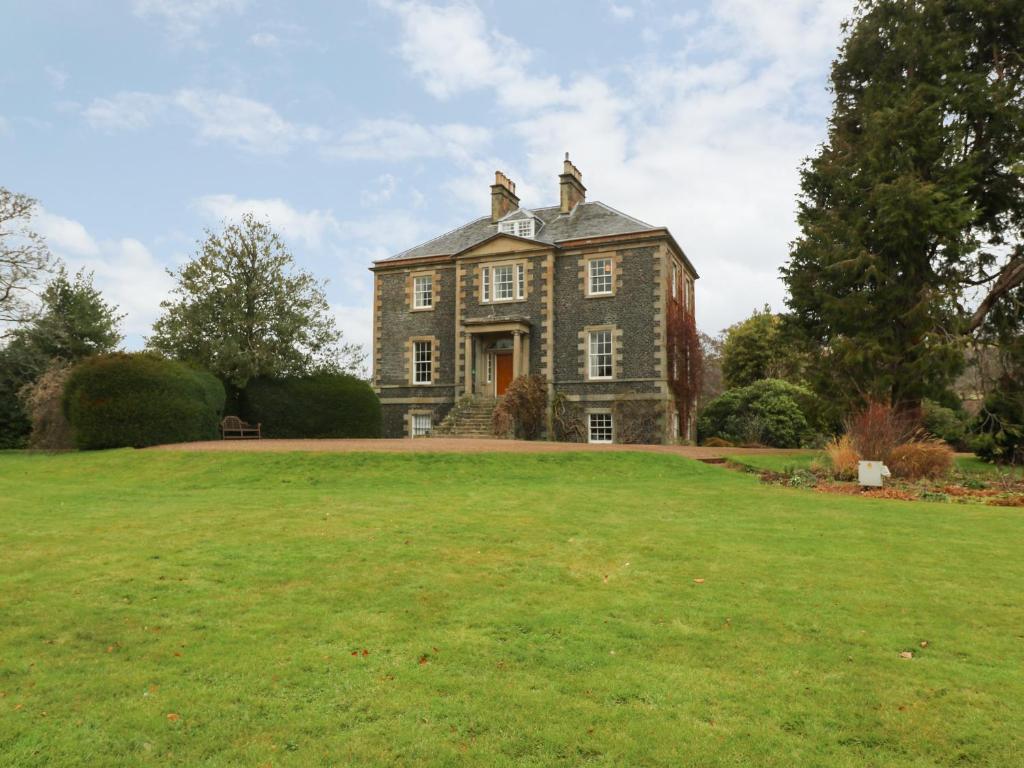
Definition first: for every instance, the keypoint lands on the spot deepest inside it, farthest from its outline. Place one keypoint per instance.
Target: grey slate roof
(586, 220)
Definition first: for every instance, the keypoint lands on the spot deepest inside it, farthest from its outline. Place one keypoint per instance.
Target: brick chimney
(570, 182)
(503, 196)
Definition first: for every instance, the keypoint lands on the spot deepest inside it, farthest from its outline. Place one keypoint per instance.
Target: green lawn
(527, 610)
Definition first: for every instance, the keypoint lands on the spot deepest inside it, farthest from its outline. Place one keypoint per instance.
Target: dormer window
(517, 227)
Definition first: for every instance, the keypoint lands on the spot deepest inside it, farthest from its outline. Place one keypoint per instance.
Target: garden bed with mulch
(1004, 489)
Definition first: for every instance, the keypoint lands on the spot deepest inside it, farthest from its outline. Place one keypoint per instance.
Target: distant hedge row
(140, 399)
(324, 405)
(135, 400)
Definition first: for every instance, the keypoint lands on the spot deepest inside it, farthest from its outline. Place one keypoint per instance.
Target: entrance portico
(497, 351)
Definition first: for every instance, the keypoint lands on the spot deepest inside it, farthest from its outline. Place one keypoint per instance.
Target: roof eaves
(401, 254)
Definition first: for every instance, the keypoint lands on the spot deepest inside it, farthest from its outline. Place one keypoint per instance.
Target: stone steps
(469, 418)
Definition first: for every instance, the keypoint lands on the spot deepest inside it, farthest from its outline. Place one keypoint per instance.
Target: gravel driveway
(453, 445)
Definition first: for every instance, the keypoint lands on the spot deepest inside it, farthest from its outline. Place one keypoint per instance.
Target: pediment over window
(503, 244)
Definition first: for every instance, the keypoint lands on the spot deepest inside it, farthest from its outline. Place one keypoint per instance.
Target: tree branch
(1009, 278)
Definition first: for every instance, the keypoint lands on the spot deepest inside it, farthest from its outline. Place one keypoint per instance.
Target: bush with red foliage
(685, 361)
(523, 409)
(879, 428)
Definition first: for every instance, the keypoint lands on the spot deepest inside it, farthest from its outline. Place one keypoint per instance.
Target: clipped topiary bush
(139, 399)
(318, 406)
(768, 412)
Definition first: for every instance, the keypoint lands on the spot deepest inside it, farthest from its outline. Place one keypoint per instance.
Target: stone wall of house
(631, 311)
(532, 307)
(635, 311)
(396, 324)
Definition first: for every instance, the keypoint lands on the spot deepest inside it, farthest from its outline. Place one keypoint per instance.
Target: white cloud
(64, 235)
(245, 123)
(265, 40)
(310, 228)
(398, 140)
(451, 49)
(383, 191)
(58, 77)
(125, 271)
(248, 124)
(184, 20)
(621, 12)
(684, 20)
(356, 323)
(128, 111)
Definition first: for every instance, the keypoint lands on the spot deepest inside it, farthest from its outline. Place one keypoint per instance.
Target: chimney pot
(571, 189)
(503, 196)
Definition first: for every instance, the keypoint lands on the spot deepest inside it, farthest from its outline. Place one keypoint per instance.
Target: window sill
(421, 309)
(608, 295)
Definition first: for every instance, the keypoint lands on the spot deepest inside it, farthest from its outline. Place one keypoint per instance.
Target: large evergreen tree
(241, 309)
(912, 211)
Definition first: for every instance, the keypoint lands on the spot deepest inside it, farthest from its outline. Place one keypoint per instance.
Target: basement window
(421, 424)
(600, 425)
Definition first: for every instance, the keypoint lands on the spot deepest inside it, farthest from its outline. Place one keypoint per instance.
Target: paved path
(453, 445)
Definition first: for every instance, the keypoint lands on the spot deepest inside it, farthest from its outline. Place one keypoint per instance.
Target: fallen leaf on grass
(924, 643)
(698, 581)
(173, 717)
(906, 655)
(424, 659)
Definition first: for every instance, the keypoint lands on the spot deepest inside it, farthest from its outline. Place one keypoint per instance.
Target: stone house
(578, 292)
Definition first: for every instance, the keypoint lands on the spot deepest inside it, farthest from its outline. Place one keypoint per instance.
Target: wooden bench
(233, 428)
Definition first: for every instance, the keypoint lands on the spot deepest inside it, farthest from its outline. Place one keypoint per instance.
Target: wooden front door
(503, 366)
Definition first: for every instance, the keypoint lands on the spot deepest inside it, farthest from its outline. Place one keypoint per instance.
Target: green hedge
(324, 405)
(139, 399)
(768, 412)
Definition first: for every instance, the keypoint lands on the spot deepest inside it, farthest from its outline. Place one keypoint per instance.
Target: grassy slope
(516, 610)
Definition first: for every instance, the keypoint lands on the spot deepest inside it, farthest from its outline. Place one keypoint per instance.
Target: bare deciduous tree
(24, 260)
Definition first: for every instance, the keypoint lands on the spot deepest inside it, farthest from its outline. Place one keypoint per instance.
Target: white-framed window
(600, 354)
(600, 276)
(600, 427)
(422, 362)
(490, 367)
(423, 292)
(675, 280)
(503, 288)
(422, 424)
(502, 282)
(519, 227)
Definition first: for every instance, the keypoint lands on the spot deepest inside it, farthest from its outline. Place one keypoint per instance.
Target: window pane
(423, 289)
(485, 277)
(600, 354)
(502, 283)
(520, 281)
(422, 362)
(600, 427)
(600, 276)
(421, 424)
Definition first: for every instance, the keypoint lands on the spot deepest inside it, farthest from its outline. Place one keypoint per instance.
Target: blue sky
(361, 128)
